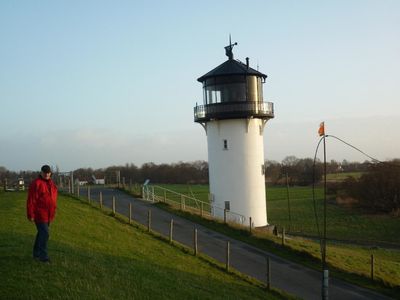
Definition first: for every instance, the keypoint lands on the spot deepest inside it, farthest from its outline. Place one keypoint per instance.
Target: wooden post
(224, 215)
(113, 204)
(268, 273)
(283, 236)
(165, 196)
(201, 209)
(88, 193)
(181, 202)
(77, 189)
(251, 225)
(149, 220)
(195, 241)
(171, 229)
(228, 254)
(101, 199)
(130, 213)
(372, 267)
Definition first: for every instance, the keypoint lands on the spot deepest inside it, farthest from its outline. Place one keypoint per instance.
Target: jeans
(42, 237)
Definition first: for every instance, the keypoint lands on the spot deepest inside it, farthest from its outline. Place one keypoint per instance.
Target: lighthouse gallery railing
(233, 110)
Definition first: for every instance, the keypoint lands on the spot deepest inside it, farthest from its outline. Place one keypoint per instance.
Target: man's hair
(46, 169)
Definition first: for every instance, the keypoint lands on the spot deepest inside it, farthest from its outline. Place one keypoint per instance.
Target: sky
(101, 83)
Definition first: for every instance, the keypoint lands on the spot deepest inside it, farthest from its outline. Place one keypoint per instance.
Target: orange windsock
(321, 130)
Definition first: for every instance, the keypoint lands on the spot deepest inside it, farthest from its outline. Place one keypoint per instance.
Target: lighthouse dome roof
(231, 67)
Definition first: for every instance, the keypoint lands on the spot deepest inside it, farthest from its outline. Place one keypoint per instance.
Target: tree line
(376, 190)
(295, 171)
(182, 172)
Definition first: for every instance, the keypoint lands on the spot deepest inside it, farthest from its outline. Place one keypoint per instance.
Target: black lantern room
(233, 90)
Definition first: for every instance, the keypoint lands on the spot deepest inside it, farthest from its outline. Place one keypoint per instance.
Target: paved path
(285, 275)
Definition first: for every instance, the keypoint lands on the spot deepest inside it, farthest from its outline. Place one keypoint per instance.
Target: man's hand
(32, 220)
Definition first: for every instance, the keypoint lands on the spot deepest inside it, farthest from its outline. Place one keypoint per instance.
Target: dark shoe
(45, 261)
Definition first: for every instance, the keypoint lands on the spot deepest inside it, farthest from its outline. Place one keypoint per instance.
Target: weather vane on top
(228, 49)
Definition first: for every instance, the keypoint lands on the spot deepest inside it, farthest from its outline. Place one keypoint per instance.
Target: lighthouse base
(236, 170)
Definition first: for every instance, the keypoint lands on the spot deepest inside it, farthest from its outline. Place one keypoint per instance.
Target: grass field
(338, 177)
(342, 223)
(94, 256)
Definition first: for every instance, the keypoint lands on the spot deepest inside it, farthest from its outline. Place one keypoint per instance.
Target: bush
(377, 190)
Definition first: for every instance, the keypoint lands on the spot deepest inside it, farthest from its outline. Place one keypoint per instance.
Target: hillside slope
(96, 257)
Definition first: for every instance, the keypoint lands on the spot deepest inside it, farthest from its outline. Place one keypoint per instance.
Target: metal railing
(228, 110)
(155, 193)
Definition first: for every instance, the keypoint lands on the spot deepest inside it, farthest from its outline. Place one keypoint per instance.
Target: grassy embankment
(348, 262)
(95, 256)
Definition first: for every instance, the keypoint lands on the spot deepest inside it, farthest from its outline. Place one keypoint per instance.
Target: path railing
(155, 193)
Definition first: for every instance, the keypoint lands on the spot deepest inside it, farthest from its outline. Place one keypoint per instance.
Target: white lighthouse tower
(234, 116)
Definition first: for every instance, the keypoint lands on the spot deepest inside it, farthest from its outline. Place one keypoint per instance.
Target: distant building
(21, 184)
(100, 181)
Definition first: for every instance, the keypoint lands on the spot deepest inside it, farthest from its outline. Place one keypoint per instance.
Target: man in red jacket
(41, 207)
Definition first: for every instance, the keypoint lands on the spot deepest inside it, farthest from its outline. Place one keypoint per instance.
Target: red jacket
(42, 200)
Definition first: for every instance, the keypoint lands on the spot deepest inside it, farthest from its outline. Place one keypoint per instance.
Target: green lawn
(95, 256)
(342, 223)
(338, 177)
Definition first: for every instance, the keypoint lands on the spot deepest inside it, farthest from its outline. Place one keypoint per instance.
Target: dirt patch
(346, 201)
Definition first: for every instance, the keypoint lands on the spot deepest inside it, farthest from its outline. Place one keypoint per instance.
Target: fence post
(182, 202)
(149, 220)
(283, 236)
(113, 204)
(372, 267)
(228, 254)
(152, 190)
(88, 193)
(72, 182)
(130, 213)
(165, 196)
(224, 215)
(251, 225)
(268, 273)
(77, 190)
(171, 229)
(195, 241)
(201, 209)
(101, 199)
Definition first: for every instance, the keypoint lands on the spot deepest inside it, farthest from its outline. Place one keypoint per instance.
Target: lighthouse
(234, 116)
